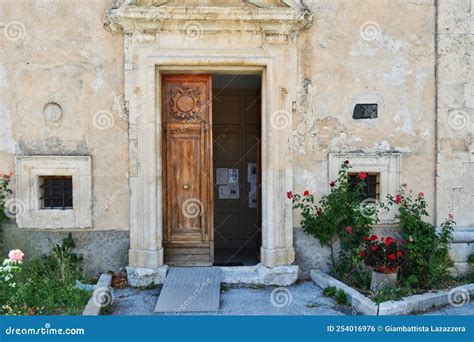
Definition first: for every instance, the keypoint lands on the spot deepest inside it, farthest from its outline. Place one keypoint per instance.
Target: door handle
(185, 186)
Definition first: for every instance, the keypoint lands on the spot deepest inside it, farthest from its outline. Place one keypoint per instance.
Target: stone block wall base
(260, 275)
(140, 276)
(277, 256)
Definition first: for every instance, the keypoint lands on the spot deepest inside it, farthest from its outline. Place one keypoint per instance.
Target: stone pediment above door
(270, 17)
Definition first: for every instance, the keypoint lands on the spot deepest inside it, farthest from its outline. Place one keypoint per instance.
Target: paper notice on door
(233, 175)
(253, 199)
(222, 176)
(229, 191)
(252, 172)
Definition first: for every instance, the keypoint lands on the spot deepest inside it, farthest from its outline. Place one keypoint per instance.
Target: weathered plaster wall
(455, 176)
(58, 51)
(366, 51)
(355, 51)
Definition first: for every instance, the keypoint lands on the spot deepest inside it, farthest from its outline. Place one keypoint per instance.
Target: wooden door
(187, 172)
(236, 128)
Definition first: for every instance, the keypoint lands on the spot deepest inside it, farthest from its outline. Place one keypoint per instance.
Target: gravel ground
(301, 299)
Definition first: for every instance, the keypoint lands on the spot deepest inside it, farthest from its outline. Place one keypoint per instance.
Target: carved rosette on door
(187, 172)
(185, 103)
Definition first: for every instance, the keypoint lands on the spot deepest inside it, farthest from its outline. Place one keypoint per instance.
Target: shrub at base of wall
(102, 251)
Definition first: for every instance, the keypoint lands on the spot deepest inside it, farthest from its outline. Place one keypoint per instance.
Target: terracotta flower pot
(386, 270)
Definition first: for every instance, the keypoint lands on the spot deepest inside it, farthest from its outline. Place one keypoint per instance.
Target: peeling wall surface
(62, 86)
(455, 124)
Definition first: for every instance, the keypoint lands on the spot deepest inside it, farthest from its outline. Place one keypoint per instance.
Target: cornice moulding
(279, 20)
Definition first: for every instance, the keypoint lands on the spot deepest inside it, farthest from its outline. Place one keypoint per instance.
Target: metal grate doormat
(190, 289)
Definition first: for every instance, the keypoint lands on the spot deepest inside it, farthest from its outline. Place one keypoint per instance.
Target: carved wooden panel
(187, 175)
(185, 102)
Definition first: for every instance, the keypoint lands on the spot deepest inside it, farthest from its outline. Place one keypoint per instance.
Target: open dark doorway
(236, 124)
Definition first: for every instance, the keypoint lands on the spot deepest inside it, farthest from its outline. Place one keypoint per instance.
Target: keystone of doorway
(142, 276)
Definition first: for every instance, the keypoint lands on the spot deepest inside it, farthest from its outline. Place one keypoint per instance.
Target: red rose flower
(389, 241)
(289, 194)
(421, 194)
(398, 199)
(349, 230)
(306, 193)
(362, 253)
(399, 253)
(332, 184)
(373, 248)
(366, 238)
(346, 162)
(392, 257)
(373, 237)
(362, 175)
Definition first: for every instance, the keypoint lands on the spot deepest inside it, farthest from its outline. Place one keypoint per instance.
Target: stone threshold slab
(243, 275)
(405, 306)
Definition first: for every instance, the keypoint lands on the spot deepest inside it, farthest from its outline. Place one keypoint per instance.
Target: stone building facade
(80, 97)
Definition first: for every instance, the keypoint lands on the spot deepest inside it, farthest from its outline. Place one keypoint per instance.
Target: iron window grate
(372, 185)
(56, 192)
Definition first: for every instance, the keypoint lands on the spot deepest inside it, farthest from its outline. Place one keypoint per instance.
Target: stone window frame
(387, 164)
(30, 213)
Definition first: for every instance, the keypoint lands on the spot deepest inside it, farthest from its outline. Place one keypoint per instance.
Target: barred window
(372, 184)
(56, 192)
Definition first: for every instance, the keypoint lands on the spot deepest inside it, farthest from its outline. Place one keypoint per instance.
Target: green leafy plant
(65, 259)
(10, 266)
(428, 263)
(46, 285)
(339, 295)
(330, 291)
(391, 293)
(342, 216)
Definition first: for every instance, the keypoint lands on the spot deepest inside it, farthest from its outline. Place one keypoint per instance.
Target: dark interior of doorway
(236, 124)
